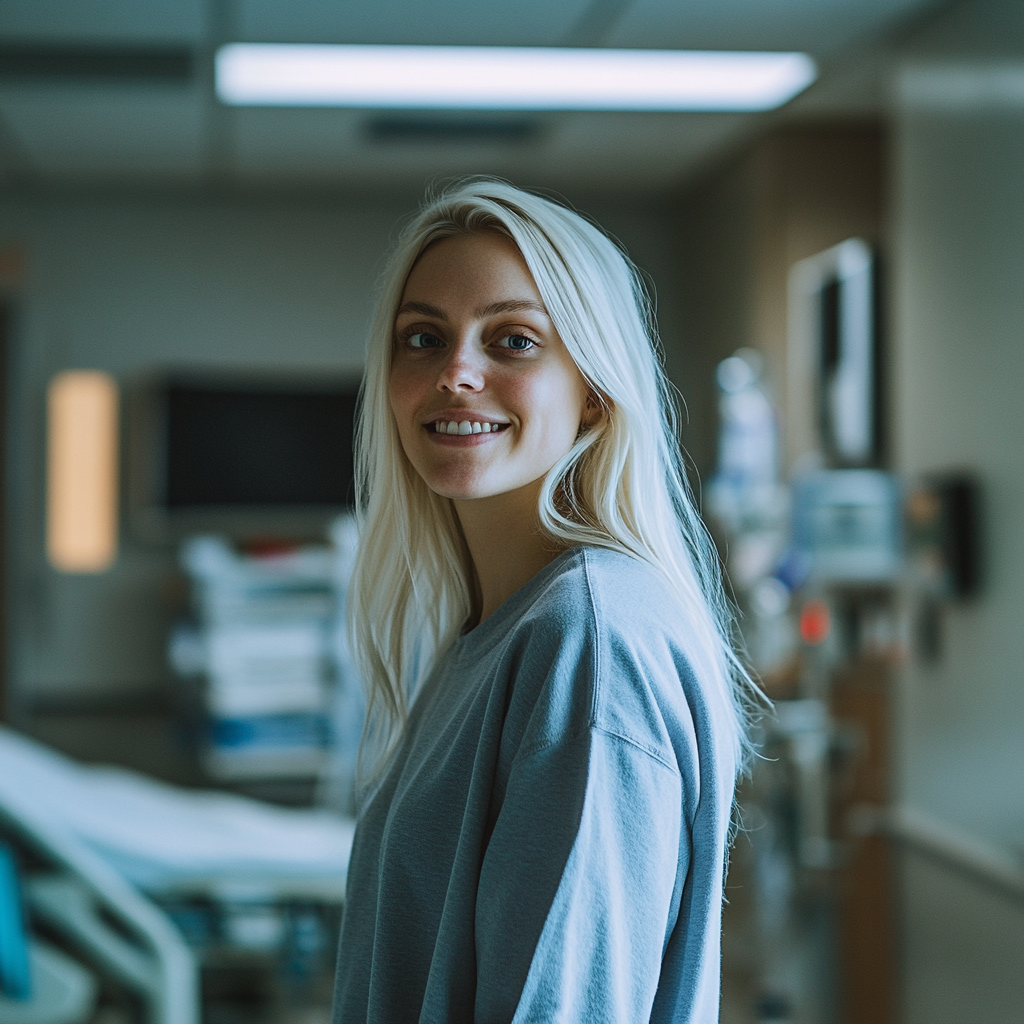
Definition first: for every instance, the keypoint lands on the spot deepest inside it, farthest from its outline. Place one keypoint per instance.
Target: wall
(127, 283)
(796, 192)
(959, 332)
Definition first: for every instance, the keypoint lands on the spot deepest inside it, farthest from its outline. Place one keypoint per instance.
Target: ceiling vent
(451, 130)
(33, 63)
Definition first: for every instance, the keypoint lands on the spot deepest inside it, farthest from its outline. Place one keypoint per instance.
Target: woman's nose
(463, 370)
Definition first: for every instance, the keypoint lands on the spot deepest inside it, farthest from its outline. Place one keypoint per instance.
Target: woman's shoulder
(590, 595)
(647, 644)
(633, 604)
(593, 579)
(615, 620)
(619, 577)
(606, 644)
(604, 596)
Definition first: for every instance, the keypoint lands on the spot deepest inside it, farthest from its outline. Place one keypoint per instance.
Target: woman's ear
(592, 408)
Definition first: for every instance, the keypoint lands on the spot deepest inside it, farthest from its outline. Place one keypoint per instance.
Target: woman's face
(485, 395)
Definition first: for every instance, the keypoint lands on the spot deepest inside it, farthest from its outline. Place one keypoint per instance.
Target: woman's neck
(505, 542)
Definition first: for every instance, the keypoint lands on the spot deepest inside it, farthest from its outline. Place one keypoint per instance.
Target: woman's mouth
(464, 427)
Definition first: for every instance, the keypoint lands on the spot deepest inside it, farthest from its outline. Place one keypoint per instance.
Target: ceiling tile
(820, 27)
(568, 151)
(302, 142)
(336, 146)
(642, 150)
(453, 22)
(104, 20)
(107, 130)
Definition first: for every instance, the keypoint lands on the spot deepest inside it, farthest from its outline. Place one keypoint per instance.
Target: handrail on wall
(995, 868)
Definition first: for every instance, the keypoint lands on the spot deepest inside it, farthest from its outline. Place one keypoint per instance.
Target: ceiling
(58, 124)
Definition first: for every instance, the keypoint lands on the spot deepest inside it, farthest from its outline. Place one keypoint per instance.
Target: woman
(540, 620)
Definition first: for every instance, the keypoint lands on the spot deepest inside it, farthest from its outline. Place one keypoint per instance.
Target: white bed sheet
(164, 838)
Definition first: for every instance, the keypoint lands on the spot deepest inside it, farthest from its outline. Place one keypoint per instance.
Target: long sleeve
(584, 943)
(547, 842)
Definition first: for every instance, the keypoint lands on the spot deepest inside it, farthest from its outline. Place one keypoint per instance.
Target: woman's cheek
(402, 392)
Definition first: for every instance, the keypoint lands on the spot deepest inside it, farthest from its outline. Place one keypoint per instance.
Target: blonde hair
(620, 486)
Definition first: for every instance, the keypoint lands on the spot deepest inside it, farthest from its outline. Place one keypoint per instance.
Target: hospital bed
(114, 862)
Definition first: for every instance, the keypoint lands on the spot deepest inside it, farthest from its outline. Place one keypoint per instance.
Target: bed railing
(73, 899)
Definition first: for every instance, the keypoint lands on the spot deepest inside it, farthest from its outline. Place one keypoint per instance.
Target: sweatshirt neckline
(515, 602)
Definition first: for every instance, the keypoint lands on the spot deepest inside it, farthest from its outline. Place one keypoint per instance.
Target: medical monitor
(241, 454)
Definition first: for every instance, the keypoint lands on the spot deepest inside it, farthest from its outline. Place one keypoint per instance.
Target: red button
(814, 621)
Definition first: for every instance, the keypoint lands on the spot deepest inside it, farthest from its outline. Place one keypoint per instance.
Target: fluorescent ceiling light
(506, 77)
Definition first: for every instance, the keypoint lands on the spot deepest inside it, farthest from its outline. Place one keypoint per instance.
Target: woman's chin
(493, 492)
(464, 491)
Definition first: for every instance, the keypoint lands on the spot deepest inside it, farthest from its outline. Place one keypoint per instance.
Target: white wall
(959, 348)
(127, 284)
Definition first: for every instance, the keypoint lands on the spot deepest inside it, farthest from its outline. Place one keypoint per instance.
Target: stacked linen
(263, 646)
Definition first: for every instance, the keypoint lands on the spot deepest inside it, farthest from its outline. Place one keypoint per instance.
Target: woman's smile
(485, 395)
(461, 434)
(455, 426)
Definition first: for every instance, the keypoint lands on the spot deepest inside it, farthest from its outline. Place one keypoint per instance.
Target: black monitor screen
(258, 448)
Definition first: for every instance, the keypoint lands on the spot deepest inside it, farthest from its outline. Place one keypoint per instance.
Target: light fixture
(82, 471)
(506, 78)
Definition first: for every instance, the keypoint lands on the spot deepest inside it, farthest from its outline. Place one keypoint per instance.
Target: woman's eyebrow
(493, 309)
(510, 306)
(422, 307)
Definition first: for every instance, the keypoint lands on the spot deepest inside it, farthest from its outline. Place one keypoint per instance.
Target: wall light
(507, 78)
(82, 471)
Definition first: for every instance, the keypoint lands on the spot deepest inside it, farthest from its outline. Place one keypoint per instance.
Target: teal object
(15, 977)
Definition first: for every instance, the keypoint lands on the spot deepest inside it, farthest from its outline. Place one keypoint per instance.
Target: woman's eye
(423, 340)
(517, 342)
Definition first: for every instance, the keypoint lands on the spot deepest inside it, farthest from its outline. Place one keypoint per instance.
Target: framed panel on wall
(835, 367)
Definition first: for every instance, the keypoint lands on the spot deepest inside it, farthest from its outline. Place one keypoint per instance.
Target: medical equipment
(14, 958)
(848, 523)
(120, 859)
(63, 992)
(145, 950)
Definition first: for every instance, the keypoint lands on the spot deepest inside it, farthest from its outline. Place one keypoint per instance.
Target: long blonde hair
(620, 486)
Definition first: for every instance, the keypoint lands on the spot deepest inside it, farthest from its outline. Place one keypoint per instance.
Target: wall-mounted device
(263, 454)
(847, 524)
(834, 316)
(943, 513)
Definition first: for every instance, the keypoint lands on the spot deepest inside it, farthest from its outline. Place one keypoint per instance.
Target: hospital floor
(248, 1001)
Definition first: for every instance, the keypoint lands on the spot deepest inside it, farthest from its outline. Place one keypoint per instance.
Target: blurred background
(185, 288)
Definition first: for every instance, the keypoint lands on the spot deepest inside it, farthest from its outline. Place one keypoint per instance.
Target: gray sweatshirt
(548, 842)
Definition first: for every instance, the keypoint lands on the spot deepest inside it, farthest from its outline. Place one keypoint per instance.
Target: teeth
(465, 427)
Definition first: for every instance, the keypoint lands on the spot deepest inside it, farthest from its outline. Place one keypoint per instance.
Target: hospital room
(512, 511)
